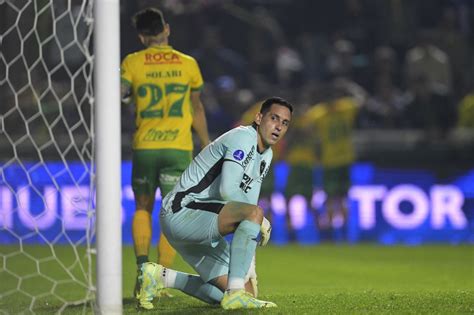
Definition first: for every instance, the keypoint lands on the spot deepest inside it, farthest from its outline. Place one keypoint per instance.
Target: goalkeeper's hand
(252, 277)
(265, 230)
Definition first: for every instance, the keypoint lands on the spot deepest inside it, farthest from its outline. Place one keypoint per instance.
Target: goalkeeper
(215, 196)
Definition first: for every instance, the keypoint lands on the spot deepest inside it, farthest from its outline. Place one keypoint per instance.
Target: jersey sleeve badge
(238, 155)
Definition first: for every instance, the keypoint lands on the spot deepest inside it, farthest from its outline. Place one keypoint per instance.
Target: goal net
(46, 156)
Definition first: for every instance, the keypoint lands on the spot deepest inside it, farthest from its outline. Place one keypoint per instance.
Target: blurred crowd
(407, 63)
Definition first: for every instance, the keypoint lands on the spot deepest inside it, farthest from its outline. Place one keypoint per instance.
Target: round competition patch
(238, 155)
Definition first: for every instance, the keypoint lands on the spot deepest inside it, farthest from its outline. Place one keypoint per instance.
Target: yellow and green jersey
(161, 80)
(301, 151)
(334, 125)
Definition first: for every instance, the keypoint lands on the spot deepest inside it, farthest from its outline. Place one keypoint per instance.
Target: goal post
(108, 155)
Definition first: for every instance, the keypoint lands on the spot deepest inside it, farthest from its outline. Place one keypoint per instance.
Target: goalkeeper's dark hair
(149, 22)
(275, 100)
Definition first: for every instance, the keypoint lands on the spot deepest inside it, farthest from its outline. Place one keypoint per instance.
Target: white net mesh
(46, 156)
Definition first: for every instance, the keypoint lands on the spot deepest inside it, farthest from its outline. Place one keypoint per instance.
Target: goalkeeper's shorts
(194, 233)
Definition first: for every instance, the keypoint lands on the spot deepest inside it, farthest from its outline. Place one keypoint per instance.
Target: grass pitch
(323, 279)
(361, 279)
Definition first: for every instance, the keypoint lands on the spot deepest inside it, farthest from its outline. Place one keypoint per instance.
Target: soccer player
(217, 195)
(268, 185)
(165, 85)
(301, 158)
(333, 121)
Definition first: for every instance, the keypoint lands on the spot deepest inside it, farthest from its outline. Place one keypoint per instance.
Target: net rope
(46, 156)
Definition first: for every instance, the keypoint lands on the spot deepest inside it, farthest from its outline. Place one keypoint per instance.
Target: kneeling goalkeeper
(217, 195)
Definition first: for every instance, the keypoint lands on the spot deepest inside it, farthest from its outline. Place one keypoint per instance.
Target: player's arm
(232, 174)
(199, 119)
(238, 144)
(125, 82)
(125, 92)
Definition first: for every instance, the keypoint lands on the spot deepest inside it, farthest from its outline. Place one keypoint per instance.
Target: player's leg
(244, 220)
(205, 250)
(345, 184)
(299, 183)
(330, 183)
(141, 226)
(172, 165)
(221, 283)
(195, 235)
(210, 258)
(141, 230)
(144, 183)
(341, 179)
(155, 278)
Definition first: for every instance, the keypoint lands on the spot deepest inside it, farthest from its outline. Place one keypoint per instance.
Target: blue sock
(242, 249)
(194, 286)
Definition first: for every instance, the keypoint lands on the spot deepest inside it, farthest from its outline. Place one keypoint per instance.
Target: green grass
(324, 279)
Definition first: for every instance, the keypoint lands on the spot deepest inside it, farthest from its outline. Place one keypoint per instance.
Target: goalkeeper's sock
(242, 250)
(141, 230)
(192, 285)
(166, 253)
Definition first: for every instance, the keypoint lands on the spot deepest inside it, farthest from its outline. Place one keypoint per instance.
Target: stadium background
(249, 50)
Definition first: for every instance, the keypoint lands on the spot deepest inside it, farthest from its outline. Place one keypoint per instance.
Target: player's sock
(192, 285)
(166, 252)
(242, 249)
(142, 259)
(141, 230)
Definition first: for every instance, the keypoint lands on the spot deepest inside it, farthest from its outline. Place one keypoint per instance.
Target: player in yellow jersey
(333, 121)
(301, 158)
(165, 86)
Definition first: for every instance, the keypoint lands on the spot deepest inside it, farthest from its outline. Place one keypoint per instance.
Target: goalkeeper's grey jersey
(202, 181)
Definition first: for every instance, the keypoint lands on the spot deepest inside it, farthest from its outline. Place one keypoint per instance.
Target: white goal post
(60, 157)
(108, 134)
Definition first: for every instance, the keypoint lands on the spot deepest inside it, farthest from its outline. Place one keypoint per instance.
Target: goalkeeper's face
(273, 125)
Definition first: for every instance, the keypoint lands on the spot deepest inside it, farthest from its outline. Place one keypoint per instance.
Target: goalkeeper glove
(265, 230)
